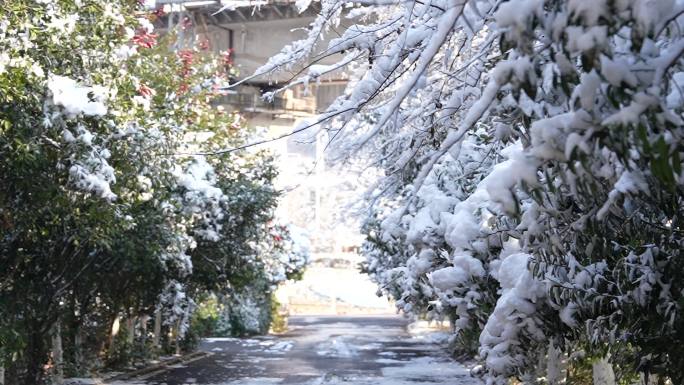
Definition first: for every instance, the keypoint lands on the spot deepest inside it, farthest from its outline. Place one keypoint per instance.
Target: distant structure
(254, 31)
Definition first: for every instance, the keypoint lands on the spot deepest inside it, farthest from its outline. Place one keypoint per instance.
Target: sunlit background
(317, 197)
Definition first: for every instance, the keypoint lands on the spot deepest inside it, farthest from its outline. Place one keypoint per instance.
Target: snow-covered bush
(531, 152)
(246, 303)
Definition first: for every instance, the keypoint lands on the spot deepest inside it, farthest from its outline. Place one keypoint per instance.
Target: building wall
(253, 41)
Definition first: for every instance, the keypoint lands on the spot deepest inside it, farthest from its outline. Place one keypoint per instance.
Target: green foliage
(245, 313)
(205, 320)
(97, 217)
(278, 318)
(119, 355)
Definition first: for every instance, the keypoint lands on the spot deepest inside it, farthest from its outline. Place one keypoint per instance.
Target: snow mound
(337, 348)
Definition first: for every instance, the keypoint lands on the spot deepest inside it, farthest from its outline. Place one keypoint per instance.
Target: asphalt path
(319, 351)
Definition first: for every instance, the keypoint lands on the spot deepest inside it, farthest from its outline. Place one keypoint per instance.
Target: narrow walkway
(320, 351)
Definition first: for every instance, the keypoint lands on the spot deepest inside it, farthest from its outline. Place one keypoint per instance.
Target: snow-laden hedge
(532, 161)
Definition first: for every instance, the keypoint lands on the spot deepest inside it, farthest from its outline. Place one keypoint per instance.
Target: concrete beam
(269, 12)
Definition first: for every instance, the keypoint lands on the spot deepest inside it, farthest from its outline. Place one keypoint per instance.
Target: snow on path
(419, 371)
(324, 351)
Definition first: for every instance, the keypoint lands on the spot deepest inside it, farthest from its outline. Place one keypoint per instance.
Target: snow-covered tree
(533, 182)
(106, 203)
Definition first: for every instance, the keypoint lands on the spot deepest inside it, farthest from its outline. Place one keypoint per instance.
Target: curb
(158, 367)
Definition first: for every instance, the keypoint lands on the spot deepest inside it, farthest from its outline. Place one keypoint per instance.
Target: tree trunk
(114, 331)
(57, 353)
(78, 347)
(36, 356)
(116, 326)
(177, 337)
(603, 372)
(79, 309)
(157, 328)
(130, 328)
(2, 375)
(143, 332)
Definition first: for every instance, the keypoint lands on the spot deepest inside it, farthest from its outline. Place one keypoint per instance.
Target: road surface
(331, 350)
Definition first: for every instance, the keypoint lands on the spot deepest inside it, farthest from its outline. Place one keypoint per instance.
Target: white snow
(415, 371)
(220, 339)
(75, 99)
(520, 293)
(337, 347)
(448, 277)
(506, 175)
(97, 182)
(516, 13)
(281, 347)
(567, 314)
